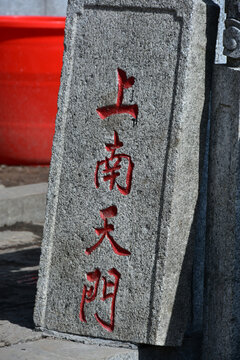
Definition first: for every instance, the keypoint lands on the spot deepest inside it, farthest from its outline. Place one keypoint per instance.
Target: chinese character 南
(109, 212)
(112, 172)
(119, 108)
(90, 294)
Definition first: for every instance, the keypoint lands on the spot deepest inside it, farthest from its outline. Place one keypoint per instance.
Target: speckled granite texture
(162, 45)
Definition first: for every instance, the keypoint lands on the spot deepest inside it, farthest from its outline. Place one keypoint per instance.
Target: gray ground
(19, 262)
(19, 258)
(23, 175)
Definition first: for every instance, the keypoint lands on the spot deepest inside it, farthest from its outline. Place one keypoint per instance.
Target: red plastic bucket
(31, 50)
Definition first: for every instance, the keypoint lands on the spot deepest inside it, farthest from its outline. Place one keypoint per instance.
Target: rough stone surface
(162, 44)
(231, 34)
(23, 203)
(88, 340)
(222, 308)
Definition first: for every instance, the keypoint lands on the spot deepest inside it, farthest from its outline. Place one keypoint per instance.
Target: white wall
(33, 7)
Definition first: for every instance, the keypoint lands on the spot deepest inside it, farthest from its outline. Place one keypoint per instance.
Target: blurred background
(33, 7)
(31, 50)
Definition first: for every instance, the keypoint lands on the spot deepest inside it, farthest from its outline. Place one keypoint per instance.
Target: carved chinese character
(119, 108)
(111, 172)
(109, 212)
(90, 295)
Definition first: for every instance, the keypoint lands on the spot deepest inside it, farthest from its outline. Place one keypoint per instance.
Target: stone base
(88, 340)
(24, 203)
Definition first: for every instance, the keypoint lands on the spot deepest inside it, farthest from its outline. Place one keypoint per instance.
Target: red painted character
(90, 295)
(119, 108)
(111, 172)
(109, 212)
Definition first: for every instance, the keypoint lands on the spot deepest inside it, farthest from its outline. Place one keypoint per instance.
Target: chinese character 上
(119, 108)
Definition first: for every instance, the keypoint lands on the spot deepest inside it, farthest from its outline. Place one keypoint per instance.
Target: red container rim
(36, 22)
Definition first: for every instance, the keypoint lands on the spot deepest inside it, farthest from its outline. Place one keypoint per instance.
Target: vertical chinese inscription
(110, 173)
(149, 44)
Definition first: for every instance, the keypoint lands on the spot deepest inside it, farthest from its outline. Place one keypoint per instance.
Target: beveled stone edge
(87, 339)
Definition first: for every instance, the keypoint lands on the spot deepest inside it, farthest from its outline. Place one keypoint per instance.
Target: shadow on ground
(18, 277)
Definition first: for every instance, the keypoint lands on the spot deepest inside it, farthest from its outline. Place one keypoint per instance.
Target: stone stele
(133, 78)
